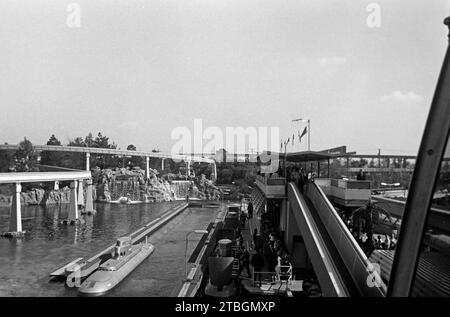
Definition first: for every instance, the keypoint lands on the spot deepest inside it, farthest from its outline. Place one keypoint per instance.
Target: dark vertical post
(348, 162)
(329, 168)
(431, 151)
(309, 135)
(318, 169)
(379, 158)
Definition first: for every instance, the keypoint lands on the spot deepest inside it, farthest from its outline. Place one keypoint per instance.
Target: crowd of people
(370, 242)
(300, 177)
(268, 253)
(264, 253)
(362, 223)
(389, 242)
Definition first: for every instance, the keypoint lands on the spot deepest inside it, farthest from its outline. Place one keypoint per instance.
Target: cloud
(325, 61)
(399, 96)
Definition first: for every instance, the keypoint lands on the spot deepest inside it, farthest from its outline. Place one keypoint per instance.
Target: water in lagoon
(25, 264)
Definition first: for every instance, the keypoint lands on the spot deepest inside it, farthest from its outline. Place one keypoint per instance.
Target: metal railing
(80, 149)
(318, 250)
(352, 255)
(284, 275)
(267, 180)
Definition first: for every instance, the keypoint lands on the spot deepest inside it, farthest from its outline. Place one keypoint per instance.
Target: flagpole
(309, 135)
(309, 130)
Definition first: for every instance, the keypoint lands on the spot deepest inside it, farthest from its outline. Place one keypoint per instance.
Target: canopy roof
(306, 156)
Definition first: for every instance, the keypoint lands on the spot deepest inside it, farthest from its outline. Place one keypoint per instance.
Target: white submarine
(126, 257)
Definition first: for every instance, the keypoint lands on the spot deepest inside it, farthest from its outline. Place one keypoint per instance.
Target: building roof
(303, 156)
(306, 156)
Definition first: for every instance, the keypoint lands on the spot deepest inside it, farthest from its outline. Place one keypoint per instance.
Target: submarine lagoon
(26, 263)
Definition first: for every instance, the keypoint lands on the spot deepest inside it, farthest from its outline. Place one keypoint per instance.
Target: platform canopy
(306, 156)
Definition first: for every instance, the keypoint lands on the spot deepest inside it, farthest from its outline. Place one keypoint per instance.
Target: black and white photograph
(231, 155)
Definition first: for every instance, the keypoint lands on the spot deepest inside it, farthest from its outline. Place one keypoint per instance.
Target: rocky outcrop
(132, 183)
(57, 196)
(32, 197)
(207, 189)
(38, 196)
(5, 200)
(103, 193)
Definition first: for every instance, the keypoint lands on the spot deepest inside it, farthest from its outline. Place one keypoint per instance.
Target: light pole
(185, 250)
(309, 130)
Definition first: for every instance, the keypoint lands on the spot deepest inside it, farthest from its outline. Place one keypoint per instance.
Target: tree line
(25, 158)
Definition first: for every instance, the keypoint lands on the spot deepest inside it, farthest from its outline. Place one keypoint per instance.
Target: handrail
(382, 199)
(341, 223)
(271, 180)
(352, 255)
(324, 266)
(81, 149)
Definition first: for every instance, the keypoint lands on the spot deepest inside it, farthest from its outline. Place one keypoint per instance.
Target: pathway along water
(25, 264)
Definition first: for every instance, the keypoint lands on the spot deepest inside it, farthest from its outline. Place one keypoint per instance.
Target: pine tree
(25, 157)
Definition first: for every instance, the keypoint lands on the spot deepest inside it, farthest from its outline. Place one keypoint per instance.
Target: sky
(137, 70)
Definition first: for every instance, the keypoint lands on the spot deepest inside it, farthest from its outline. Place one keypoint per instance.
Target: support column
(348, 162)
(73, 206)
(318, 169)
(214, 172)
(162, 165)
(329, 168)
(80, 196)
(89, 197)
(188, 167)
(15, 222)
(147, 167)
(379, 158)
(290, 222)
(88, 166)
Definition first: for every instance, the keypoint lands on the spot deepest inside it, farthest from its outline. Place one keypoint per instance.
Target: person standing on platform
(379, 243)
(241, 240)
(257, 262)
(258, 243)
(244, 261)
(301, 181)
(305, 179)
(360, 176)
(295, 175)
(255, 236)
(242, 219)
(250, 210)
(278, 266)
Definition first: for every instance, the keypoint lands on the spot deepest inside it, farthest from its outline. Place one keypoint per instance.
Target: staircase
(258, 201)
(235, 270)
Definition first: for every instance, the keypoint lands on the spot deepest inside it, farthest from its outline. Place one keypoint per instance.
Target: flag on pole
(293, 136)
(286, 143)
(303, 133)
(299, 137)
